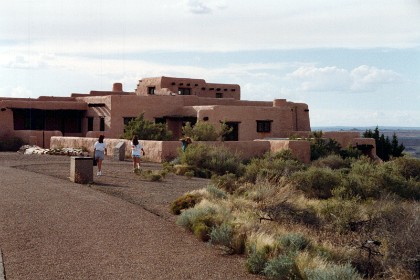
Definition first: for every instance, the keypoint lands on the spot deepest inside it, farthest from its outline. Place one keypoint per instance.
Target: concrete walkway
(54, 229)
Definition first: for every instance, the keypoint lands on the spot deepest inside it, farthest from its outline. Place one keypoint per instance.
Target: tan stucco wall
(159, 151)
(199, 87)
(345, 139)
(300, 148)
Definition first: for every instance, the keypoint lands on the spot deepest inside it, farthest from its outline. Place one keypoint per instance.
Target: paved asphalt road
(51, 228)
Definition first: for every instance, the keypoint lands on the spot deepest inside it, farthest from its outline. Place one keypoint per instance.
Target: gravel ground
(117, 228)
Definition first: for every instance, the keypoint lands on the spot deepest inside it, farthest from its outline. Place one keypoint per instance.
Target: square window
(264, 126)
(184, 91)
(151, 90)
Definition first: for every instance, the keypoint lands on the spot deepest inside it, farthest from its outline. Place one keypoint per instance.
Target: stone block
(119, 151)
(81, 170)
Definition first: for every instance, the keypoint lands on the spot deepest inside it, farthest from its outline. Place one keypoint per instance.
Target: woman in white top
(100, 151)
(136, 150)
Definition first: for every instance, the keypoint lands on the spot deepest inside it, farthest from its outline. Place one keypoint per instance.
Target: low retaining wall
(160, 151)
(37, 137)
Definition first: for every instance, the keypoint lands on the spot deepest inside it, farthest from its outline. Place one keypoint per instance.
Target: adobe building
(173, 101)
(169, 100)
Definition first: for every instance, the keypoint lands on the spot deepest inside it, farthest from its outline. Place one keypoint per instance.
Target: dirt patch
(117, 180)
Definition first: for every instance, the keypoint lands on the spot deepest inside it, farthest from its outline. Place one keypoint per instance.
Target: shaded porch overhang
(44, 105)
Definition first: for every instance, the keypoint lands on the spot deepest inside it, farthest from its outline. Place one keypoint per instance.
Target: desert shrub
(368, 180)
(189, 174)
(407, 167)
(150, 175)
(201, 231)
(293, 242)
(223, 235)
(272, 167)
(332, 272)
(168, 167)
(182, 169)
(257, 259)
(11, 144)
(287, 212)
(146, 130)
(184, 202)
(205, 131)
(332, 161)
(340, 214)
(281, 267)
(350, 153)
(209, 159)
(227, 182)
(216, 192)
(316, 182)
(194, 217)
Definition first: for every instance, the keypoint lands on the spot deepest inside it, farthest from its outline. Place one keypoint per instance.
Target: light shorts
(99, 155)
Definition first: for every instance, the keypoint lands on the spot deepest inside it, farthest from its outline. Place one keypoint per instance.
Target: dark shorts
(135, 156)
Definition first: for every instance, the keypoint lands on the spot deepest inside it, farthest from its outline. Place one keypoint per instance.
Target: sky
(354, 62)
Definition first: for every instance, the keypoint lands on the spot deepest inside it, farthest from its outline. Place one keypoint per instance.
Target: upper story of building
(186, 86)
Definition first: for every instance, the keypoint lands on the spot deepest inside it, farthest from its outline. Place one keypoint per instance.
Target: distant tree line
(385, 148)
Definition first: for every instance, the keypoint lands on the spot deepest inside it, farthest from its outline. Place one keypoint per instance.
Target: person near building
(100, 151)
(136, 152)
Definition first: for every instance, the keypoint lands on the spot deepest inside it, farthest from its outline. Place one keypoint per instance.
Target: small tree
(146, 130)
(322, 147)
(204, 131)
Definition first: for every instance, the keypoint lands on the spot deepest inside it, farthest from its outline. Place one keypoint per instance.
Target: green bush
(184, 202)
(293, 242)
(11, 144)
(316, 182)
(205, 131)
(209, 159)
(281, 267)
(201, 231)
(257, 259)
(227, 182)
(332, 272)
(272, 167)
(193, 217)
(340, 214)
(216, 192)
(369, 180)
(146, 130)
(407, 167)
(332, 161)
(322, 147)
(222, 235)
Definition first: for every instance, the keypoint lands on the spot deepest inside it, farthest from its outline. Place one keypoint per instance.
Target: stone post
(119, 151)
(81, 170)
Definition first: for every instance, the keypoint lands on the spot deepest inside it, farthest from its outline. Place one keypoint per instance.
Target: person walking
(100, 151)
(136, 150)
(185, 142)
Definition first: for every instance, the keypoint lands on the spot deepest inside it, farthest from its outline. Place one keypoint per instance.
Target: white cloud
(233, 25)
(204, 7)
(334, 79)
(17, 91)
(366, 78)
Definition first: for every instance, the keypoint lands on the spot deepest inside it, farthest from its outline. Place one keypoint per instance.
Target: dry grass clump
(151, 175)
(337, 219)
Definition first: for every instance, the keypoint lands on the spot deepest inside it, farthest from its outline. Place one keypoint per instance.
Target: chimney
(117, 87)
